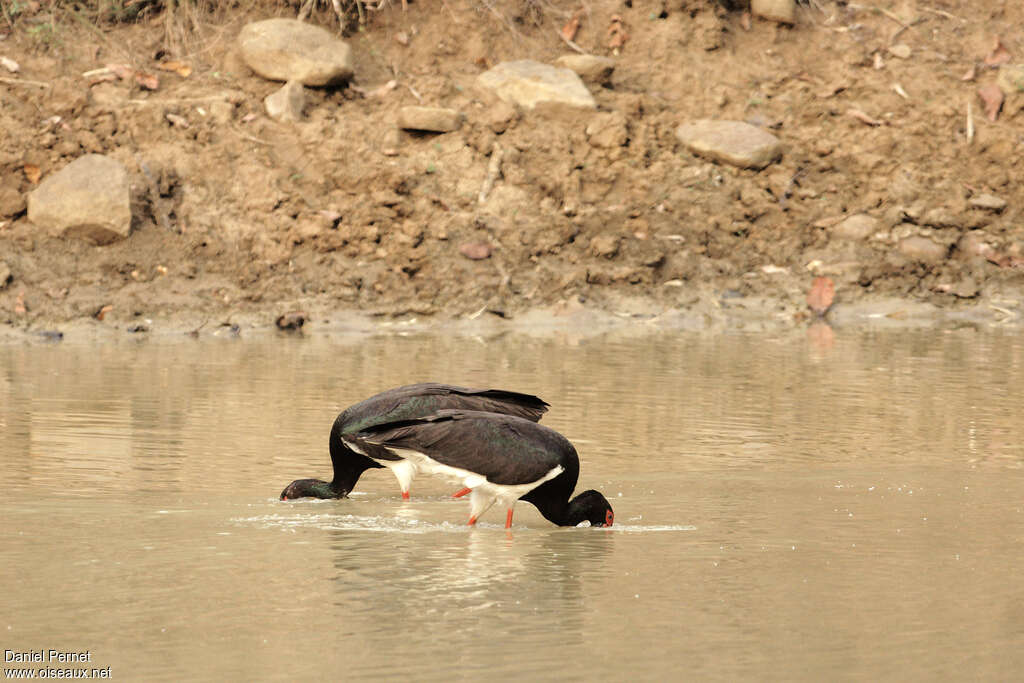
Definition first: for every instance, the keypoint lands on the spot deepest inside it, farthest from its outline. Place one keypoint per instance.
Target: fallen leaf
(475, 251)
(616, 33)
(999, 54)
(10, 64)
(147, 81)
(33, 173)
(823, 291)
(571, 27)
(864, 118)
(180, 68)
(992, 97)
(102, 313)
(176, 120)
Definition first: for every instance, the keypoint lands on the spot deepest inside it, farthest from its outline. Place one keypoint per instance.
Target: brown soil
(240, 217)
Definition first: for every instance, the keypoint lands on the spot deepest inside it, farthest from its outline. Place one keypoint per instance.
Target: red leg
(405, 495)
(472, 521)
(508, 519)
(460, 494)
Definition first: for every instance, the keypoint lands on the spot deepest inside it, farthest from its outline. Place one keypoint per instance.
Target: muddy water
(796, 506)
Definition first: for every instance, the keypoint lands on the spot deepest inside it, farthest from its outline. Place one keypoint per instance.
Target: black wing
(420, 400)
(503, 448)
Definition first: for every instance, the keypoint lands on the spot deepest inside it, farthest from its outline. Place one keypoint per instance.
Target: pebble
(433, 119)
(12, 202)
(731, 142)
(528, 84)
(988, 202)
(286, 104)
(900, 51)
(475, 251)
(605, 246)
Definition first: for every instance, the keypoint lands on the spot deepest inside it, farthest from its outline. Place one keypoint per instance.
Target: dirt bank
(237, 217)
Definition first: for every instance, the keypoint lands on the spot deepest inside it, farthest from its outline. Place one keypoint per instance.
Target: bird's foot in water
(405, 495)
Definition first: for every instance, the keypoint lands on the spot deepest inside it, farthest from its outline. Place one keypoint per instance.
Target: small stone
(528, 84)
(12, 202)
(922, 249)
(988, 202)
(88, 198)
(731, 142)
(782, 11)
(292, 50)
(900, 51)
(475, 251)
(939, 217)
(433, 119)
(287, 104)
(605, 246)
(591, 68)
(857, 227)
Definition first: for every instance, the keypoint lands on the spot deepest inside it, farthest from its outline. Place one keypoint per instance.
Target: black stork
(499, 458)
(400, 403)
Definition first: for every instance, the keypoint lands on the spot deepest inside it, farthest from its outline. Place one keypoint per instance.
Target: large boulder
(88, 198)
(292, 50)
(529, 84)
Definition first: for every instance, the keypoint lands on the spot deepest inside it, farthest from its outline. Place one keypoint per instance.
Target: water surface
(788, 506)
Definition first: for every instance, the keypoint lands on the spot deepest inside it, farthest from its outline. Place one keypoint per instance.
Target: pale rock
(433, 119)
(591, 68)
(528, 84)
(287, 104)
(605, 246)
(292, 50)
(900, 51)
(731, 142)
(857, 227)
(5, 274)
(922, 249)
(88, 198)
(782, 11)
(939, 217)
(988, 202)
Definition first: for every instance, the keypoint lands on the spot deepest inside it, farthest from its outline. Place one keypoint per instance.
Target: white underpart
(484, 493)
(404, 470)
